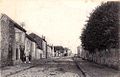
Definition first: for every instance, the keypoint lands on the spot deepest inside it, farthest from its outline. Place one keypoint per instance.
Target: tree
(101, 30)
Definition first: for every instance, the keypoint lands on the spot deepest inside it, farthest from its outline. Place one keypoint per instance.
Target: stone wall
(9, 44)
(108, 58)
(7, 41)
(39, 53)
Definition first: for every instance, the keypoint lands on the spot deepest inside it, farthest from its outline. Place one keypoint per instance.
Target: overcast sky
(61, 21)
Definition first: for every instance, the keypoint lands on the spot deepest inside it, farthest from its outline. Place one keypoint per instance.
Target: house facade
(41, 45)
(44, 47)
(19, 43)
(39, 53)
(10, 46)
(28, 47)
(33, 50)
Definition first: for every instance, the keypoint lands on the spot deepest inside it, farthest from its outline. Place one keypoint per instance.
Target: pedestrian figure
(24, 58)
(29, 57)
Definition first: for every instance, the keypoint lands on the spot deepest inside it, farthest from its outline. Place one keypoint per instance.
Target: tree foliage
(101, 30)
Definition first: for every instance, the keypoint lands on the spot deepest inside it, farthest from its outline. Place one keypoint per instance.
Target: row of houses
(16, 46)
(60, 51)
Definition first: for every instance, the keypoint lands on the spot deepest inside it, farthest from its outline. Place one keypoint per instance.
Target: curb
(85, 73)
(81, 69)
(12, 73)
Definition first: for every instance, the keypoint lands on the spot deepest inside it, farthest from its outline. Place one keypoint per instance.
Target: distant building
(12, 37)
(67, 52)
(58, 51)
(49, 51)
(79, 51)
(84, 54)
(53, 51)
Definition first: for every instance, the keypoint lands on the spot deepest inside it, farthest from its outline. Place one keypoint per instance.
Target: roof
(49, 45)
(59, 48)
(37, 39)
(30, 38)
(15, 24)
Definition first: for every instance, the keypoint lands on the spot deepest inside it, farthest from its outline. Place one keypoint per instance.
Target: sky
(60, 21)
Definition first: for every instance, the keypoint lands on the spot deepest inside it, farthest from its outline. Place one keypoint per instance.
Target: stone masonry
(108, 58)
(12, 39)
(7, 41)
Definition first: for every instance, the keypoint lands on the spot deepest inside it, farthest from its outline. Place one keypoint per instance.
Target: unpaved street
(63, 67)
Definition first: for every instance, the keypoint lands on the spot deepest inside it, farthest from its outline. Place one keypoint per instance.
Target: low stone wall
(109, 58)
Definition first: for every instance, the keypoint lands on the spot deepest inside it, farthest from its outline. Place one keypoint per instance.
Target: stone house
(30, 47)
(39, 53)
(12, 38)
(33, 48)
(19, 42)
(42, 45)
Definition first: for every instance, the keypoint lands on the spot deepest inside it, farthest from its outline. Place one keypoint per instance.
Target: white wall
(33, 48)
(20, 36)
(49, 51)
(44, 45)
(53, 53)
(27, 46)
(38, 52)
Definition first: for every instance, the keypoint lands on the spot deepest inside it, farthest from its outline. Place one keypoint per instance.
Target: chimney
(43, 37)
(22, 24)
